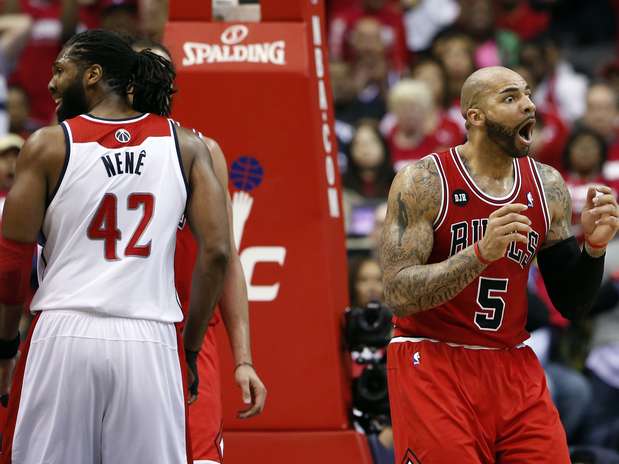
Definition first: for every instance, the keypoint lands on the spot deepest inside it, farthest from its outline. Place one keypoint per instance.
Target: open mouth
(525, 131)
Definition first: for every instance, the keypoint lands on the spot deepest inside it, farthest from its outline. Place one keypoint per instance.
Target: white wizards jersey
(109, 231)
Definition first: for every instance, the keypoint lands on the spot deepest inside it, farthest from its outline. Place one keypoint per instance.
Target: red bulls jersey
(492, 310)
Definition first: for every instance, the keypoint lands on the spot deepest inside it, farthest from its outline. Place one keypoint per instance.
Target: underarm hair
(572, 277)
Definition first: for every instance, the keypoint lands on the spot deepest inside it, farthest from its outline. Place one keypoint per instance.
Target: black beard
(505, 138)
(73, 102)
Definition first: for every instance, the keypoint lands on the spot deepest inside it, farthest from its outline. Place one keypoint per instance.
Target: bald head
(483, 82)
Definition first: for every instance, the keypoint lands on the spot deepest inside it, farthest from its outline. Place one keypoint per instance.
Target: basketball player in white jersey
(100, 378)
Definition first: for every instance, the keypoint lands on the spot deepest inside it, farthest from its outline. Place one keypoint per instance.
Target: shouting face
(499, 103)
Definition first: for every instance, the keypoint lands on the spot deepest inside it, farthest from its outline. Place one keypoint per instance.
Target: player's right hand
(505, 225)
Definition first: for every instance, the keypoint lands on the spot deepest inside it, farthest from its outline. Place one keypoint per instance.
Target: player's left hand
(600, 216)
(253, 390)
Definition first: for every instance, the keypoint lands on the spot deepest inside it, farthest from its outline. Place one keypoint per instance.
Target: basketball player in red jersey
(206, 414)
(462, 228)
(100, 378)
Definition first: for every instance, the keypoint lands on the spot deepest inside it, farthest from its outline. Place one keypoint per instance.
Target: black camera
(368, 327)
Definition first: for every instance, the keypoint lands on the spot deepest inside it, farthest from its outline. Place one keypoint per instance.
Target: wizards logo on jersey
(464, 234)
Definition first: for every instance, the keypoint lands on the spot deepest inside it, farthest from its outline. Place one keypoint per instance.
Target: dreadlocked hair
(147, 76)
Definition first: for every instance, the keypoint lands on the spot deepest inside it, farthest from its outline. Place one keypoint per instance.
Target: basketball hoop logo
(122, 135)
(234, 34)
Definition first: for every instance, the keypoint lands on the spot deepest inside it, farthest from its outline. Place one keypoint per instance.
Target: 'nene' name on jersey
(123, 163)
(464, 234)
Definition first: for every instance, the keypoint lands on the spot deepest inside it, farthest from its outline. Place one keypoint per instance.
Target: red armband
(15, 269)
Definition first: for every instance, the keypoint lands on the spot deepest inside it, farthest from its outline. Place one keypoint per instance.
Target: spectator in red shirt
(392, 31)
(419, 128)
(518, 16)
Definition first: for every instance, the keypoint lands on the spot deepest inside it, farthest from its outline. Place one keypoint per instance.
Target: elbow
(216, 256)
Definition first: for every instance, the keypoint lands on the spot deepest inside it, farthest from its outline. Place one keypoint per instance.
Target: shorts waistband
(401, 339)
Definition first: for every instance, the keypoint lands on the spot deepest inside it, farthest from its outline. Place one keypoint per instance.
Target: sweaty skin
(411, 285)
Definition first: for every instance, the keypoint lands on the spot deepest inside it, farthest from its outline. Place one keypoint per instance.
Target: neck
(112, 106)
(486, 158)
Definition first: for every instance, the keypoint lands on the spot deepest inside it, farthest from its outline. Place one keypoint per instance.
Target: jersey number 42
(104, 225)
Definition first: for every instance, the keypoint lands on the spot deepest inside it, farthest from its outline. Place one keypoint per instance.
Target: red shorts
(205, 415)
(471, 406)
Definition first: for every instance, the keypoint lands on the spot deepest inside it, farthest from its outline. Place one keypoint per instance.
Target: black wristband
(8, 348)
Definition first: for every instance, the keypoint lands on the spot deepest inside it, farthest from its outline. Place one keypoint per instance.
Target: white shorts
(100, 390)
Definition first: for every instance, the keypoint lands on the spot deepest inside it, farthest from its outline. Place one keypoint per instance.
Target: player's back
(110, 227)
(492, 310)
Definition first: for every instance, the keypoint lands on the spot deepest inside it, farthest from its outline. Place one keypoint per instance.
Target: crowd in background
(397, 67)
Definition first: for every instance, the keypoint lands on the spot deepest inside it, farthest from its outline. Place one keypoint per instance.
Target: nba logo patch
(410, 458)
(416, 358)
(122, 135)
(529, 200)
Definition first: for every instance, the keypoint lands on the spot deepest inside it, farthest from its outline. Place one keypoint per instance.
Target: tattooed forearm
(559, 205)
(402, 219)
(417, 288)
(411, 285)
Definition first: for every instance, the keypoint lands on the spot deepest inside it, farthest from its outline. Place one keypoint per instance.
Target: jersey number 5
(104, 225)
(492, 306)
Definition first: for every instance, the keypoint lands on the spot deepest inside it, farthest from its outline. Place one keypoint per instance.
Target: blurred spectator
(18, 108)
(10, 145)
(369, 63)
(455, 51)
(558, 88)
(419, 128)
(584, 157)
(425, 18)
(369, 171)
(493, 46)
(14, 31)
(365, 282)
(602, 115)
(392, 35)
(519, 17)
(433, 73)
(367, 179)
(54, 22)
(120, 16)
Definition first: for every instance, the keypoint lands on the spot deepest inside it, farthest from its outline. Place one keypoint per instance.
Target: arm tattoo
(402, 219)
(411, 285)
(559, 205)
